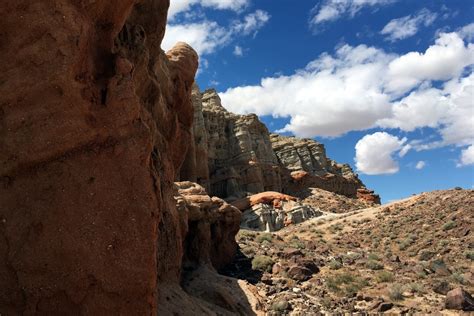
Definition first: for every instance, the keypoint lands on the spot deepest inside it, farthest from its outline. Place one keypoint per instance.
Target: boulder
(299, 273)
(459, 299)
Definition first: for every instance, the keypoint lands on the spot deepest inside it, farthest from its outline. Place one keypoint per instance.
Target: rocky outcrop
(273, 217)
(211, 226)
(243, 158)
(95, 121)
(305, 165)
(240, 157)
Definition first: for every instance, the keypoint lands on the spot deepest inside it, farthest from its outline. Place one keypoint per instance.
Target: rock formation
(275, 216)
(243, 158)
(95, 121)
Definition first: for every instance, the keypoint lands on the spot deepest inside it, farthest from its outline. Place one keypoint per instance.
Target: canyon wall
(95, 121)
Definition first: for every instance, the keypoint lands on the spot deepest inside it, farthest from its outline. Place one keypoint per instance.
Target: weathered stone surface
(82, 160)
(459, 299)
(272, 214)
(211, 227)
(95, 121)
(368, 195)
(240, 158)
(299, 273)
(244, 158)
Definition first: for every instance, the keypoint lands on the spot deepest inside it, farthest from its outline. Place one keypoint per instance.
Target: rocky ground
(328, 201)
(399, 257)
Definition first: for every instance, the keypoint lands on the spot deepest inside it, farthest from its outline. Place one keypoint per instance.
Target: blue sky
(386, 85)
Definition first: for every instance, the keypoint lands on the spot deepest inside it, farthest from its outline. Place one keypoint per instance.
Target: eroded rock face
(270, 212)
(240, 157)
(243, 158)
(211, 223)
(94, 122)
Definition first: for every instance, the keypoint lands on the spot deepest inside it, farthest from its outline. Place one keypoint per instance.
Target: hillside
(400, 257)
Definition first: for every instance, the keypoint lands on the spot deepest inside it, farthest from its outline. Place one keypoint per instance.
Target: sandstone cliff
(95, 121)
(235, 155)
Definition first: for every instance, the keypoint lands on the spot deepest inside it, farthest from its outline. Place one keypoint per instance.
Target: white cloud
(375, 153)
(251, 23)
(238, 51)
(331, 10)
(178, 6)
(444, 60)
(407, 26)
(467, 157)
(328, 98)
(204, 37)
(467, 32)
(420, 165)
(207, 36)
(360, 87)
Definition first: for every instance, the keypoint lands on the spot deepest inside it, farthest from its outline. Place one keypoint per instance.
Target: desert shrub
(458, 278)
(334, 264)
(415, 287)
(407, 242)
(426, 255)
(470, 255)
(280, 305)
(374, 265)
(352, 256)
(264, 237)
(262, 263)
(373, 256)
(247, 233)
(449, 225)
(345, 283)
(335, 228)
(384, 276)
(248, 251)
(326, 302)
(396, 292)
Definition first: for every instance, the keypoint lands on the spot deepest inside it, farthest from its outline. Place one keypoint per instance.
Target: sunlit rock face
(243, 158)
(265, 217)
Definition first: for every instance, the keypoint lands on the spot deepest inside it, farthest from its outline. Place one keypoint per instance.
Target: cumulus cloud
(328, 98)
(407, 26)
(207, 36)
(363, 87)
(444, 60)
(375, 153)
(467, 157)
(420, 165)
(449, 109)
(331, 10)
(178, 6)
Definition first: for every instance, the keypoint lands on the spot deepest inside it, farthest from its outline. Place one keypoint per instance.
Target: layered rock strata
(243, 158)
(236, 149)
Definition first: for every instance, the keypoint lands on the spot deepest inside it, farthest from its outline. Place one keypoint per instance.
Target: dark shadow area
(241, 268)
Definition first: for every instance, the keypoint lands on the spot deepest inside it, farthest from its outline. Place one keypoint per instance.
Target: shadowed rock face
(94, 122)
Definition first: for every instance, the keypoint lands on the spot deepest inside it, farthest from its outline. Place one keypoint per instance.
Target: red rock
(368, 196)
(459, 299)
(94, 120)
(299, 273)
